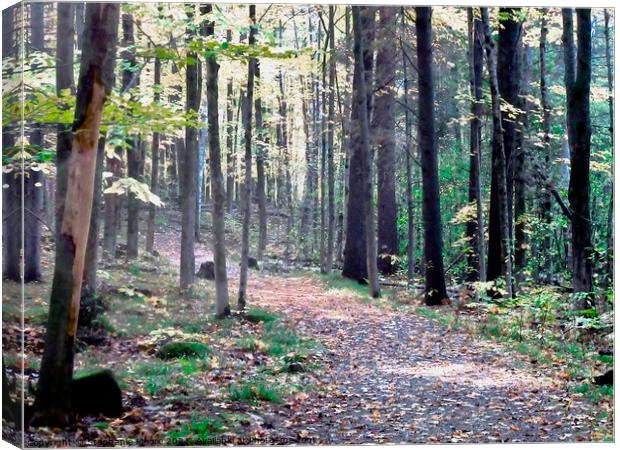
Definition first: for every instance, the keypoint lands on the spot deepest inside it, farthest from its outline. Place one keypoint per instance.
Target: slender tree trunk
(361, 99)
(577, 74)
(498, 185)
(384, 138)
(610, 213)
(435, 290)
(155, 148)
(217, 181)
(52, 403)
(323, 180)
(189, 170)
(409, 168)
(546, 130)
(134, 148)
(261, 138)
(331, 198)
(475, 226)
(230, 129)
(79, 23)
(247, 187)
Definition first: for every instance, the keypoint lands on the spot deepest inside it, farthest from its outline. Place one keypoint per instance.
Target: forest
(233, 224)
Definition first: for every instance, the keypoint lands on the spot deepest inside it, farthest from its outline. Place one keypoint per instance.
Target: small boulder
(253, 263)
(295, 367)
(95, 394)
(607, 379)
(207, 271)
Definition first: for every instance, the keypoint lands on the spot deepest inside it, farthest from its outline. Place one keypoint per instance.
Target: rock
(296, 367)
(207, 271)
(253, 263)
(607, 379)
(95, 394)
(173, 350)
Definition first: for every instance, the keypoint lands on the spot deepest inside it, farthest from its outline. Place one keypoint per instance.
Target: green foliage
(254, 391)
(197, 432)
(257, 315)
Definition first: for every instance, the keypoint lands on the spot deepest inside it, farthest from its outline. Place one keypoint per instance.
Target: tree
(499, 195)
(135, 149)
(217, 181)
(508, 76)
(385, 140)
(261, 138)
(475, 225)
(190, 163)
(230, 132)
(150, 231)
(354, 264)
(435, 288)
(246, 206)
(363, 139)
(331, 203)
(52, 403)
(577, 75)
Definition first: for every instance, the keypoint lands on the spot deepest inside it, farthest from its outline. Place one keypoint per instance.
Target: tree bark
(385, 141)
(435, 288)
(247, 187)
(497, 264)
(331, 202)
(409, 168)
(361, 99)
(230, 148)
(150, 231)
(52, 403)
(261, 138)
(475, 226)
(546, 130)
(190, 167)
(610, 212)
(134, 147)
(508, 74)
(354, 264)
(217, 182)
(577, 74)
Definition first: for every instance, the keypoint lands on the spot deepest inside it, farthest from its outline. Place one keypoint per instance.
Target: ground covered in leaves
(313, 361)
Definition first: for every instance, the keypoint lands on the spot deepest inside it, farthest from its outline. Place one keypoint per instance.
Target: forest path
(394, 377)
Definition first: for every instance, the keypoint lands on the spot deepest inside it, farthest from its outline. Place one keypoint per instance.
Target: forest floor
(366, 371)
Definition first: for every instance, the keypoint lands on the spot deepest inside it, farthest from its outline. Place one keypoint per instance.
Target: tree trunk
(409, 168)
(610, 213)
(475, 226)
(508, 74)
(217, 182)
(502, 263)
(189, 170)
(546, 130)
(354, 265)
(577, 74)
(331, 203)
(79, 23)
(134, 147)
(385, 141)
(435, 289)
(261, 138)
(230, 129)
(361, 99)
(247, 186)
(150, 231)
(52, 403)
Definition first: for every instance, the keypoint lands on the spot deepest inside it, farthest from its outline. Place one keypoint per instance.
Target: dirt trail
(394, 377)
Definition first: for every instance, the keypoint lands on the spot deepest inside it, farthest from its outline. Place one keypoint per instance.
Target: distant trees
(53, 396)
(577, 76)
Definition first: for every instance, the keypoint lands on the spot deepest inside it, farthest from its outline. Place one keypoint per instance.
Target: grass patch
(257, 315)
(254, 391)
(197, 432)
